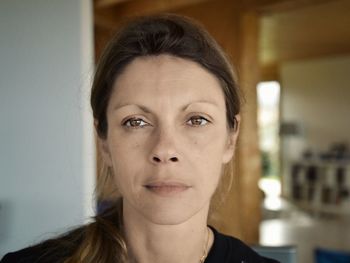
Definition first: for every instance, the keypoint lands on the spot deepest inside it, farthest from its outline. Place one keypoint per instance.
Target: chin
(172, 213)
(171, 209)
(168, 218)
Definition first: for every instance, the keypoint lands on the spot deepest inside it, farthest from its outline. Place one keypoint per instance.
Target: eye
(198, 121)
(135, 123)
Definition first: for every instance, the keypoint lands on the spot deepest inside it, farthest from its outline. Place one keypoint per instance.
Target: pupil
(197, 121)
(135, 122)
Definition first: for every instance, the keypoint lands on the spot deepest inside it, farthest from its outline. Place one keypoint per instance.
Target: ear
(231, 141)
(103, 147)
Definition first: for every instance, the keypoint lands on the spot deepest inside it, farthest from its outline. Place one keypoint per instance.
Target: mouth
(166, 188)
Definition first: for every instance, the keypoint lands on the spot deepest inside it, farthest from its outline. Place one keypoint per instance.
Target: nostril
(156, 159)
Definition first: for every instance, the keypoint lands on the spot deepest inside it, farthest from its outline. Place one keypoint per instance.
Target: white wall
(46, 139)
(316, 95)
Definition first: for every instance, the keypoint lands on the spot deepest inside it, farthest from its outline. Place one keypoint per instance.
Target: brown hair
(102, 240)
(150, 36)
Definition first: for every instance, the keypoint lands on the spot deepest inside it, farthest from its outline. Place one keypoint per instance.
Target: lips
(166, 188)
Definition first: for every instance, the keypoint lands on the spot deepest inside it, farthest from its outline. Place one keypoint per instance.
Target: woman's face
(167, 139)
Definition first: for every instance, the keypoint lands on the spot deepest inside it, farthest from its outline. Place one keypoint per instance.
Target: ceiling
(321, 29)
(290, 29)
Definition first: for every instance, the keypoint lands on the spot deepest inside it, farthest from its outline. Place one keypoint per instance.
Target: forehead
(166, 77)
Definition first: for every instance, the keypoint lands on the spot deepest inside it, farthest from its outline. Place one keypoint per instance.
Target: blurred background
(292, 164)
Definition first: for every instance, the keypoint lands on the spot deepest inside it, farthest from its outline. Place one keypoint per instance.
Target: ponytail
(103, 239)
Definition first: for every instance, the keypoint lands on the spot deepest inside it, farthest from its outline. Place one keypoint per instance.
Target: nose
(164, 148)
(157, 159)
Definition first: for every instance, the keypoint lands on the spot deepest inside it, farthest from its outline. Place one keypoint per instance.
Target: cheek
(128, 160)
(205, 155)
(208, 146)
(124, 149)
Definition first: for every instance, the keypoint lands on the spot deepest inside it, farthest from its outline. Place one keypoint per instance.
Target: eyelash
(140, 127)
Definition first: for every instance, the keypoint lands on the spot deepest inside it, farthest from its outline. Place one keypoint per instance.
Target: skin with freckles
(167, 142)
(176, 136)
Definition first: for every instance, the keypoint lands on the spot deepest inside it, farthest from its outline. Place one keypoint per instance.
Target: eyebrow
(147, 110)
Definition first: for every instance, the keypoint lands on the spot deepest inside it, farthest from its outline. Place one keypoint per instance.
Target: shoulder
(231, 250)
(50, 251)
(31, 254)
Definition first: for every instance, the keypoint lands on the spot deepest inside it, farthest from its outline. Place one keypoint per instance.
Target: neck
(150, 242)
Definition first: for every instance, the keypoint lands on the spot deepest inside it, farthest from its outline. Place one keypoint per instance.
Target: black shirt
(225, 249)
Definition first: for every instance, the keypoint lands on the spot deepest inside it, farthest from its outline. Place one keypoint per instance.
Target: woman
(166, 109)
